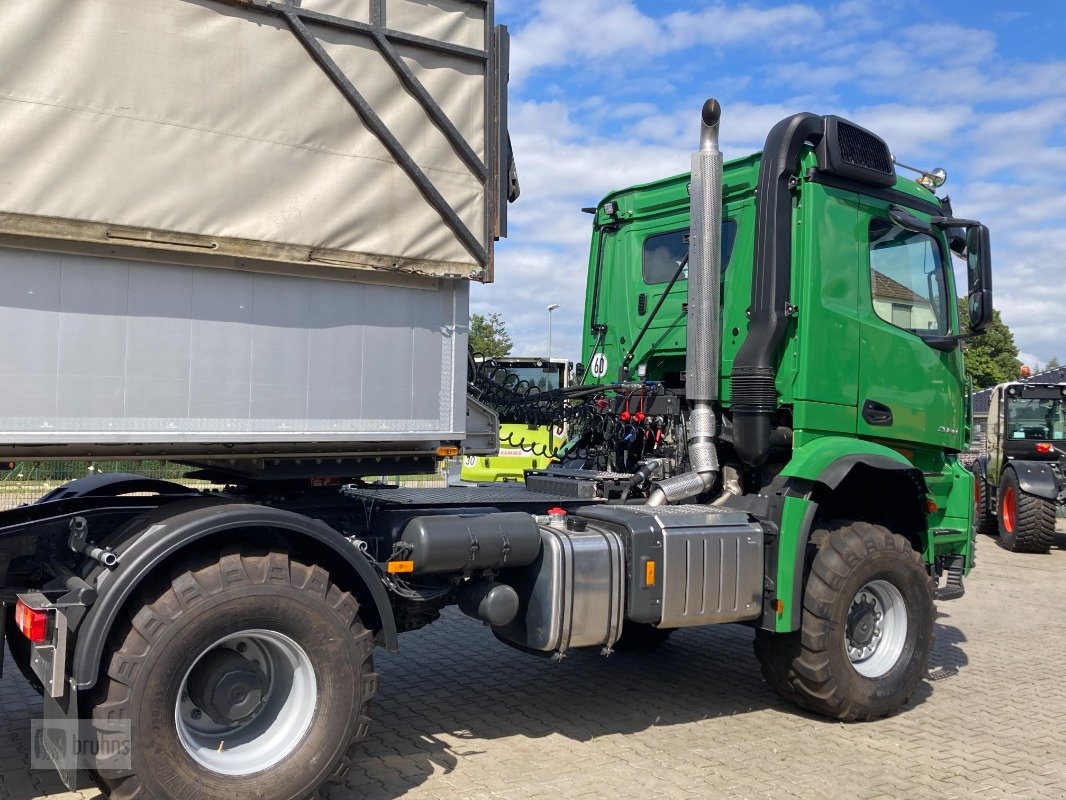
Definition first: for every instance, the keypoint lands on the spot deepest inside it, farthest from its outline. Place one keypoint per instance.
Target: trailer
(239, 235)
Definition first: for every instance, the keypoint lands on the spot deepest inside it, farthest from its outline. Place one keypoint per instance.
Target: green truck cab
(859, 387)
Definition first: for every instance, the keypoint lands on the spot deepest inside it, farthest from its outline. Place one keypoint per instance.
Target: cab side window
(907, 279)
(664, 252)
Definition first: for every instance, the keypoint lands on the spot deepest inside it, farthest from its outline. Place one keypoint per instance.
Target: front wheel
(246, 677)
(866, 631)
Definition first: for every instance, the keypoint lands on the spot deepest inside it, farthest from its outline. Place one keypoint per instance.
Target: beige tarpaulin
(133, 118)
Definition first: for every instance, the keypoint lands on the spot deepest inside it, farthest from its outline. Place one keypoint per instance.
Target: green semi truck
(767, 433)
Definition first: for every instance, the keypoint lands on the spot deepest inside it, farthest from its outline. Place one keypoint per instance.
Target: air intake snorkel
(753, 394)
(704, 317)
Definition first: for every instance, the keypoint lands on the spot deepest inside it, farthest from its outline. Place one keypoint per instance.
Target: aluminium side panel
(112, 357)
(326, 134)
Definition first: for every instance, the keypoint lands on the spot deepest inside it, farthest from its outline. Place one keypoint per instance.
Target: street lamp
(551, 308)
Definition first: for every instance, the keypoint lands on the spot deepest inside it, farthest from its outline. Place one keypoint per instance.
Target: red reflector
(1044, 447)
(33, 624)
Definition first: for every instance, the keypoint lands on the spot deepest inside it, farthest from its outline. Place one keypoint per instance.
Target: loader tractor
(1019, 491)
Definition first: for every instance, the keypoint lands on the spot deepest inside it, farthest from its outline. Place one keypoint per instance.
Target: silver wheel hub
(246, 702)
(876, 628)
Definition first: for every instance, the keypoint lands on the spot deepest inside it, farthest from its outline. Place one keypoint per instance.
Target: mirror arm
(952, 222)
(908, 221)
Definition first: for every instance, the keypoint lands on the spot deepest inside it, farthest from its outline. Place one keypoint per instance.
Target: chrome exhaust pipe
(704, 324)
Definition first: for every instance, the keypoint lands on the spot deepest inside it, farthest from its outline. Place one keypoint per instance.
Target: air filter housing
(854, 152)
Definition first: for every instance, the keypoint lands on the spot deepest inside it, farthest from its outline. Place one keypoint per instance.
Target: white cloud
(600, 33)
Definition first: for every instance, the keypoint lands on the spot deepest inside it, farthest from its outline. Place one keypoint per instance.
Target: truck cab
(863, 385)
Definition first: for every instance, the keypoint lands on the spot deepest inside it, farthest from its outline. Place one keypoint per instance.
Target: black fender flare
(834, 474)
(1036, 478)
(182, 524)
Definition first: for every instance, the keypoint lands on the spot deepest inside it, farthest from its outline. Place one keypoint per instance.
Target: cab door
(910, 392)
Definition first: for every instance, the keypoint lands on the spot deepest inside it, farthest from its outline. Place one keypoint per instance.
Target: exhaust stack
(704, 317)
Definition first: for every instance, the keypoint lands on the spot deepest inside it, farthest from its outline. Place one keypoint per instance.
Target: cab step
(953, 588)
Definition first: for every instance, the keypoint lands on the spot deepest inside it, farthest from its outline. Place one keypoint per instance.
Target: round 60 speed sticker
(598, 365)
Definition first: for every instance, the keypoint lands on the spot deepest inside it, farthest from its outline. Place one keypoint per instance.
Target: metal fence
(27, 481)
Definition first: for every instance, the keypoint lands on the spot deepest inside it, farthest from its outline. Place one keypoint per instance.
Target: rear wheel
(866, 630)
(247, 677)
(1026, 522)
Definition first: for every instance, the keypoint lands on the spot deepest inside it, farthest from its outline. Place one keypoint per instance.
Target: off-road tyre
(150, 654)
(20, 647)
(983, 518)
(641, 637)
(811, 667)
(1026, 522)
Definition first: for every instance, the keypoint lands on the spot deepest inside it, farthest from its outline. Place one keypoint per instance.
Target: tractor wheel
(984, 519)
(242, 677)
(866, 630)
(1026, 522)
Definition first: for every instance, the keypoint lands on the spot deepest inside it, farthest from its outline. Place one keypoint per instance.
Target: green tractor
(1020, 489)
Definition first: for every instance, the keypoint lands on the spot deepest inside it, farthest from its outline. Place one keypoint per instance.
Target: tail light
(1044, 447)
(35, 625)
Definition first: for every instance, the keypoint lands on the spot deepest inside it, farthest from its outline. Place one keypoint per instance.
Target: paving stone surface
(461, 716)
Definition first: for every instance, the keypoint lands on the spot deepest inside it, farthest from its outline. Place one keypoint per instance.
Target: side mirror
(579, 370)
(979, 277)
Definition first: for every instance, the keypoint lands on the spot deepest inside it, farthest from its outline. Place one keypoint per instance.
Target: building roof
(886, 288)
(981, 399)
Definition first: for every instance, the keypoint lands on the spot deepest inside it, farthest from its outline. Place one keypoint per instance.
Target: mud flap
(58, 737)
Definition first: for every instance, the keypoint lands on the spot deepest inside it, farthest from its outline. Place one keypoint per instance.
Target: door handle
(876, 413)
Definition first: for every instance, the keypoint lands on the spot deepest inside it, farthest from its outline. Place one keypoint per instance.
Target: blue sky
(606, 93)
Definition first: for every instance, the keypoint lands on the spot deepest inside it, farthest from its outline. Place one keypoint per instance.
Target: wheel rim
(876, 628)
(1010, 508)
(273, 729)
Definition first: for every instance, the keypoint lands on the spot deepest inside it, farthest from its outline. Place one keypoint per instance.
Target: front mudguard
(1037, 478)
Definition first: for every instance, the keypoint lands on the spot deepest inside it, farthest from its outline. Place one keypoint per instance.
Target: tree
(489, 336)
(991, 357)
(1053, 363)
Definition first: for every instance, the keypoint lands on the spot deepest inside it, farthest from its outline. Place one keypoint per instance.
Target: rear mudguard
(182, 524)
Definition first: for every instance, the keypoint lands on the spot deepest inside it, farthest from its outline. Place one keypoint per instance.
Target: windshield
(1033, 418)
